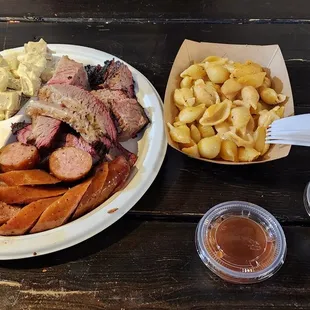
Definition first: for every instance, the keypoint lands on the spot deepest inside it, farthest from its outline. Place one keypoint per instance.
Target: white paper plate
(150, 146)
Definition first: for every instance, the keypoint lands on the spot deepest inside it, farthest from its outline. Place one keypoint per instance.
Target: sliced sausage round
(70, 164)
(18, 156)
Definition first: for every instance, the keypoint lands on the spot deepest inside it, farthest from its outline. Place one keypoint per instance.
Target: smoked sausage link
(18, 156)
(70, 164)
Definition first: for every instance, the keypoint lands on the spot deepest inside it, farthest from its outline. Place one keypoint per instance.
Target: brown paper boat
(268, 56)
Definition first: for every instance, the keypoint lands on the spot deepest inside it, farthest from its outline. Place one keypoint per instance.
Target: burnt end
(100, 148)
(119, 77)
(15, 127)
(96, 74)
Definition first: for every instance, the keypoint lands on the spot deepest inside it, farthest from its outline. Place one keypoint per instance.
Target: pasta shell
(205, 93)
(229, 151)
(247, 154)
(239, 103)
(280, 111)
(187, 145)
(206, 131)
(177, 124)
(190, 114)
(259, 108)
(179, 134)
(249, 129)
(230, 66)
(251, 125)
(217, 74)
(267, 82)
(256, 80)
(248, 68)
(216, 113)
(215, 60)
(187, 82)
(183, 97)
(222, 128)
(250, 96)
(266, 149)
(178, 98)
(191, 151)
(240, 117)
(194, 71)
(259, 137)
(246, 141)
(195, 133)
(267, 117)
(209, 147)
(230, 88)
(270, 96)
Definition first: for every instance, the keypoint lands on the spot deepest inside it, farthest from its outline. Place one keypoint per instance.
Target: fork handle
(281, 134)
(296, 122)
(288, 142)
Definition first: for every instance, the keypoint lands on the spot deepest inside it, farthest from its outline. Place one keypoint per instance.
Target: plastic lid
(241, 242)
(307, 198)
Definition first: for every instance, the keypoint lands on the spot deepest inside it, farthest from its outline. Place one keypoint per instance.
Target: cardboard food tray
(268, 56)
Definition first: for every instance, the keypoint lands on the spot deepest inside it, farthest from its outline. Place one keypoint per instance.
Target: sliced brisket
(44, 131)
(23, 134)
(22, 130)
(119, 77)
(106, 96)
(68, 139)
(41, 133)
(69, 72)
(130, 117)
(86, 107)
(81, 125)
(15, 127)
(117, 149)
(128, 113)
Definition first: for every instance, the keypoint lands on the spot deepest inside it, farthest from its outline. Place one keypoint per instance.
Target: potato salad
(22, 73)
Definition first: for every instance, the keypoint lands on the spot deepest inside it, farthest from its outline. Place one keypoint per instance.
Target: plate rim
(138, 194)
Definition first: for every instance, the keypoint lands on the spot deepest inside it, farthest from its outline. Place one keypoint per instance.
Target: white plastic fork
(293, 130)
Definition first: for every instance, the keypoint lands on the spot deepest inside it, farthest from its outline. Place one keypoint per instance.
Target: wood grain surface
(149, 265)
(148, 260)
(186, 187)
(151, 48)
(159, 9)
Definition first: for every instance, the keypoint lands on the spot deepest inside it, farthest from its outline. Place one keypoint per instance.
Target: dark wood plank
(150, 265)
(214, 9)
(186, 187)
(152, 48)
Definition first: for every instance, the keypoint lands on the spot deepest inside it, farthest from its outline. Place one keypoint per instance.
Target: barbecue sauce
(240, 244)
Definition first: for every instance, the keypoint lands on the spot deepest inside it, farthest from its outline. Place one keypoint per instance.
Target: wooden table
(148, 260)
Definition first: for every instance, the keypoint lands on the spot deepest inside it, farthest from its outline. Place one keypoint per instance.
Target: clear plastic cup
(270, 254)
(307, 198)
